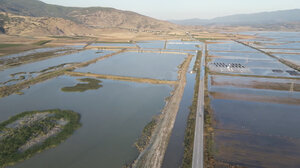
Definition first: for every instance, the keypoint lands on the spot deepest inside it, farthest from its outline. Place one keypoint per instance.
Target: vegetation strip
(209, 151)
(33, 58)
(256, 76)
(123, 78)
(32, 132)
(190, 128)
(43, 42)
(9, 45)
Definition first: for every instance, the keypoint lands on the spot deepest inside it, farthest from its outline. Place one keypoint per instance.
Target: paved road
(198, 161)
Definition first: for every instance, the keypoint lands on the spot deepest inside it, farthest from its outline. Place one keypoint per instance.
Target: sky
(186, 9)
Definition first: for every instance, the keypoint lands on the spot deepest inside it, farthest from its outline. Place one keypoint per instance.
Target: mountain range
(36, 18)
(255, 19)
(57, 20)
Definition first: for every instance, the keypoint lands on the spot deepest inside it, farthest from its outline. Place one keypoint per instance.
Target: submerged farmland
(117, 89)
(254, 100)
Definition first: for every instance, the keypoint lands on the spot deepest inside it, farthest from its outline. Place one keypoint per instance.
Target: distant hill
(256, 19)
(40, 26)
(93, 17)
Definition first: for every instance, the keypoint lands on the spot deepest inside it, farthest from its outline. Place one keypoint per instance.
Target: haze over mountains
(291, 17)
(70, 20)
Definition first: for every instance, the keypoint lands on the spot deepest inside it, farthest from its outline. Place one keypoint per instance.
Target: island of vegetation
(90, 84)
(32, 132)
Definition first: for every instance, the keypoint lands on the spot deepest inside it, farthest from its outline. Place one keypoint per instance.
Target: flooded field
(135, 101)
(255, 101)
(103, 123)
(183, 45)
(137, 64)
(13, 75)
(155, 44)
(114, 44)
(252, 132)
(112, 121)
(236, 58)
(284, 45)
(175, 150)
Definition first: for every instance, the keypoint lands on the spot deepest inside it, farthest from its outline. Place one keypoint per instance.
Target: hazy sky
(183, 9)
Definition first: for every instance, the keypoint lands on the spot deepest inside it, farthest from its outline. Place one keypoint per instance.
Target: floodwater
(111, 120)
(114, 44)
(256, 118)
(151, 44)
(175, 150)
(253, 62)
(283, 45)
(136, 64)
(183, 45)
(256, 122)
(113, 114)
(33, 69)
(40, 50)
(256, 134)
(229, 46)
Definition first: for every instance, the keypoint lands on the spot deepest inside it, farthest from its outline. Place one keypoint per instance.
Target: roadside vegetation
(32, 132)
(209, 151)
(191, 121)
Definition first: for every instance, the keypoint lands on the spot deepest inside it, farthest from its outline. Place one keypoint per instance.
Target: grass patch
(8, 90)
(205, 39)
(43, 42)
(9, 45)
(53, 68)
(144, 139)
(90, 84)
(15, 138)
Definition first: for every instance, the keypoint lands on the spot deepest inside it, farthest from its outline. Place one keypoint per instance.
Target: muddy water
(175, 150)
(112, 119)
(260, 132)
(135, 64)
